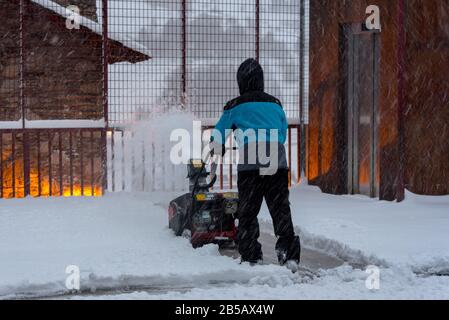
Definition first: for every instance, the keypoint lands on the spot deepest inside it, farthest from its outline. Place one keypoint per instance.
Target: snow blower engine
(203, 216)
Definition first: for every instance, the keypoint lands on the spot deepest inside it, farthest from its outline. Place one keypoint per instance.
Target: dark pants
(253, 188)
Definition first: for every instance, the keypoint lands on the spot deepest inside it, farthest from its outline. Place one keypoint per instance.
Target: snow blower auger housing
(204, 216)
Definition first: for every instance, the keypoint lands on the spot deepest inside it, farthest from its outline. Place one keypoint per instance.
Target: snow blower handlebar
(198, 174)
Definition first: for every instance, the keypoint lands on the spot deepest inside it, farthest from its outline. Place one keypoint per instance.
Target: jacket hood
(250, 77)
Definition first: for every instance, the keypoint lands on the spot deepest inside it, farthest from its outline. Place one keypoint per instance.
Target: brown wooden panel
(427, 88)
(326, 128)
(9, 61)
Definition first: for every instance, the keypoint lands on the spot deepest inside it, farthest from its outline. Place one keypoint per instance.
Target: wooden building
(379, 99)
(53, 96)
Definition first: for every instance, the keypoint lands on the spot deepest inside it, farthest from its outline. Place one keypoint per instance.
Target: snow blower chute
(203, 216)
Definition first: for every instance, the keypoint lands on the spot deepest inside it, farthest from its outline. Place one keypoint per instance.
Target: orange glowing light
(17, 189)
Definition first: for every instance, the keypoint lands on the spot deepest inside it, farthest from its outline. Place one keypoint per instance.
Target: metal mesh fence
(220, 36)
(137, 90)
(61, 61)
(280, 23)
(72, 68)
(196, 47)
(53, 73)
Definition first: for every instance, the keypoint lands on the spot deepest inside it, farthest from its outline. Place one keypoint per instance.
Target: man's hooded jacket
(257, 119)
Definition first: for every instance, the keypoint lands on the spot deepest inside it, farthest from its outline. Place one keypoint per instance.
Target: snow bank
(118, 241)
(121, 242)
(142, 153)
(341, 283)
(413, 233)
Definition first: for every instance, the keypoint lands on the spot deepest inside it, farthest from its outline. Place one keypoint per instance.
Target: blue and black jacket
(256, 118)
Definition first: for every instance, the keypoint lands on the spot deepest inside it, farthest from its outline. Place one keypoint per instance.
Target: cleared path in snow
(311, 258)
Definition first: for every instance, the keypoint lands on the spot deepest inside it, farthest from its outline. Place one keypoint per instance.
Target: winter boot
(288, 250)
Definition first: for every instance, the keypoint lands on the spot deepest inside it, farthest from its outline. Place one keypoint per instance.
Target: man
(259, 123)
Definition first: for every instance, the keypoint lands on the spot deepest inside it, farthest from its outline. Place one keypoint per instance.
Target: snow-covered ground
(121, 242)
(414, 233)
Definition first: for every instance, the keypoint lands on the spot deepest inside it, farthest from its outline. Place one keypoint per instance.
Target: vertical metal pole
(230, 161)
(25, 140)
(105, 38)
(22, 61)
(133, 160)
(302, 142)
(50, 177)
(1, 165)
(39, 178)
(82, 162)
(221, 174)
(113, 160)
(144, 167)
(92, 163)
(164, 183)
(153, 167)
(184, 53)
(257, 30)
(71, 155)
(104, 166)
(61, 185)
(26, 162)
(401, 98)
(289, 157)
(104, 161)
(298, 153)
(123, 160)
(13, 174)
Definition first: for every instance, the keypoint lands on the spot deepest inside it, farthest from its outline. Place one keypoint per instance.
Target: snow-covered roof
(92, 25)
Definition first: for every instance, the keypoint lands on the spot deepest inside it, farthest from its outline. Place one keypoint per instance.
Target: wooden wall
(9, 61)
(63, 69)
(427, 88)
(426, 117)
(327, 145)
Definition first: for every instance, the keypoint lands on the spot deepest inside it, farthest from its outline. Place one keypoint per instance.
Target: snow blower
(203, 216)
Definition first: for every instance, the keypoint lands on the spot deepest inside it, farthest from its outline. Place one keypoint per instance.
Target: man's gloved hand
(217, 149)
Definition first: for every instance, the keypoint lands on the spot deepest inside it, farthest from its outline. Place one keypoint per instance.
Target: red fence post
(105, 39)
(21, 76)
(26, 162)
(289, 135)
(13, 163)
(61, 175)
(71, 155)
(39, 178)
(92, 163)
(299, 139)
(82, 161)
(257, 30)
(231, 147)
(113, 160)
(184, 52)
(50, 175)
(1, 165)
(301, 142)
(103, 148)
(104, 161)
(25, 136)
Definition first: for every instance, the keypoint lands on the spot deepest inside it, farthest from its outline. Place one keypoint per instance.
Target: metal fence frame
(299, 124)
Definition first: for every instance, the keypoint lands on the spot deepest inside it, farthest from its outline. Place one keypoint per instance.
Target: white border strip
(11, 124)
(64, 124)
